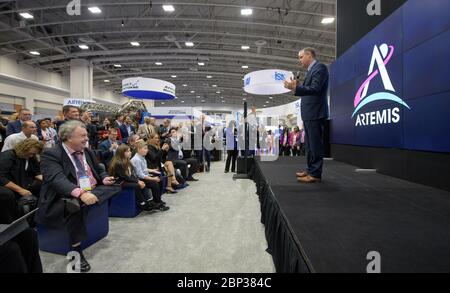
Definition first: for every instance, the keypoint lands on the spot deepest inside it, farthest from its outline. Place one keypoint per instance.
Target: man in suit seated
(72, 178)
(109, 147)
(175, 155)
(16, 126)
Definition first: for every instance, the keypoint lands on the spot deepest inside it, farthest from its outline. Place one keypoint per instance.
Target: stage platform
(332, 226)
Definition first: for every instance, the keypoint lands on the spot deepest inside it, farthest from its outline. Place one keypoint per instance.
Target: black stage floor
(338, 222)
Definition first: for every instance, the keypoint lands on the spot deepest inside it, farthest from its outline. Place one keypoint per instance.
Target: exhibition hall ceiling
(204, 47)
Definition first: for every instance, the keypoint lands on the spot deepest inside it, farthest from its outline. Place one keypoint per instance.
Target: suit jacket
(154, 157)
(13, 127)
(59, 180)
(124, 132)
(105, 153)
(314, 93)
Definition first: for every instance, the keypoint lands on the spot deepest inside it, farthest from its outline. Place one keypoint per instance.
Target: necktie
(79, 164)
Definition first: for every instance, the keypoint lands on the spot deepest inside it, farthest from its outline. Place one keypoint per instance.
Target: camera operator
(19, 182)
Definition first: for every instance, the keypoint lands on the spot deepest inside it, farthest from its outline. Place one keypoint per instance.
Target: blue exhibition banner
(392, 88)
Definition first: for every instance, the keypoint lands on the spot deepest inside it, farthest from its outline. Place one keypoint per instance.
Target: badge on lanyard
(85, 183)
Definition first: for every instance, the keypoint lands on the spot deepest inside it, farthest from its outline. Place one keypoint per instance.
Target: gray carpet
(213, 226)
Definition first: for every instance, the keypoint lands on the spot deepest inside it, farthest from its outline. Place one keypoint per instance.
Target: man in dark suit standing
(16, 126)
(71, 173)
(127, 129)
(109, 147)
(314, 111)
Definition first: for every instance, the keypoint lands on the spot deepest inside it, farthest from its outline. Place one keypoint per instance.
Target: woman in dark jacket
(156, 159)
(122, 169)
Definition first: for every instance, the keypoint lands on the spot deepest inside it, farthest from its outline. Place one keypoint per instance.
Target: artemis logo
(381, 56)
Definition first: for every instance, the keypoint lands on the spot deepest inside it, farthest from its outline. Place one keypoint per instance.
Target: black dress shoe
(163, 207)
(84, 265)
(226, 171)
(191, 179)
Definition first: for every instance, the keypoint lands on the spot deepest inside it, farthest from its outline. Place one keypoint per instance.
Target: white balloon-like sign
(148, 88)
(267, 82)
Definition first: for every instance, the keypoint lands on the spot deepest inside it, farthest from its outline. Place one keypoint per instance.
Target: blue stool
(56, 240)
(124, 204)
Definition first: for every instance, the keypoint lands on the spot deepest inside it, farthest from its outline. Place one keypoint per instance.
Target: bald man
(29, 130)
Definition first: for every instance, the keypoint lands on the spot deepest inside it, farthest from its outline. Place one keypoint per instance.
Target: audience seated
(122, 169)
(29, 130)
(150, 177)
(155, 160)
(72, 180)
(175, 155)
(109, 147)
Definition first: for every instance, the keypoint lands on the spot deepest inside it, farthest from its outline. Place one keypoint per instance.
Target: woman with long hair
(156, 157)
(121, 168)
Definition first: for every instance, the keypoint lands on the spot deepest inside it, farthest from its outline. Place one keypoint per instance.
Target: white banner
(267, 82)
(148, 88)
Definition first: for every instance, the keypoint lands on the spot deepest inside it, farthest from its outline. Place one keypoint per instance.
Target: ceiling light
(201, 64)
(107, 80)
(95, 10)
(117, 65)
(223, 101)
(264, 106)
(244, 99)
(185, 85)
(192, 92)
(244, 67)
(35, 53)
(245, 47)
(189, 44)
(135, 44)
(162, 103)
(246, 11)
(83, 47)
(26, 15)
(198, 97)
(267, 102)
(203, 101)
(218, 93)
(168, 8)
(182, 101)
(158, 63)
(209, 76)
(173, 76)
(328, 20)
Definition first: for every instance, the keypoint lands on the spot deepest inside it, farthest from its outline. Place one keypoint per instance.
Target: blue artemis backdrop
(392, 88)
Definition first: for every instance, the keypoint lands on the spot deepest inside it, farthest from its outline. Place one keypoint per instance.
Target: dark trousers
(285, 150)
(296, 151)
(231, 158)
(207, 155)
(142, 195)
(314, 146)
(155, 189)
(8, 206)
(21, 254)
